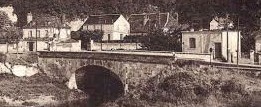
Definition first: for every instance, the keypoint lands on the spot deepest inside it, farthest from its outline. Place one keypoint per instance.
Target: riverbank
(196, 86)
(37, 90)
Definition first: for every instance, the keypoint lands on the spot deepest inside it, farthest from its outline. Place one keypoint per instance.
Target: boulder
(72, 82)
(31, 71)
(19, 70)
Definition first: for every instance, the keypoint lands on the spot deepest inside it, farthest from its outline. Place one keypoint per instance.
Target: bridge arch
(101, 83)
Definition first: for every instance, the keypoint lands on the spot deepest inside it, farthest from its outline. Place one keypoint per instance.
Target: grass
(28, 88)
(194, 86)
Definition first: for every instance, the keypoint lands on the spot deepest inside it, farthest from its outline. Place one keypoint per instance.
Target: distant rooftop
(142, 23)
(46, 22)
(209, 31)
(102, 19)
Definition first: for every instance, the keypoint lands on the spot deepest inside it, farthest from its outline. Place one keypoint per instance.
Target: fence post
(252, 57)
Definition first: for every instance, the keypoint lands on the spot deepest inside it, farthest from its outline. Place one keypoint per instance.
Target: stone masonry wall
(131, 69)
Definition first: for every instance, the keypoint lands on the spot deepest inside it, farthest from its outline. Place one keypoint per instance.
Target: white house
(114, 26)
(222, 42)
(219, 23)
(214, 24)
(42, 32)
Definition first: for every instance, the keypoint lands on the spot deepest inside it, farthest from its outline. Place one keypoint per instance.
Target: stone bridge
(108, 73)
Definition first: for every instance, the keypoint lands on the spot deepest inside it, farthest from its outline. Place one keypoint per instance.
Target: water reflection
(80, 103)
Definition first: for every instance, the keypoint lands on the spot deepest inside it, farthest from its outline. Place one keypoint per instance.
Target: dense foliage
(3, 19)
(162, 41)
(95, 35)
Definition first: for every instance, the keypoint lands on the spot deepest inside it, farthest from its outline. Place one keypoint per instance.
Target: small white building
(222, 42)
(214, 24)
(219, 23)
(42, 32)
(114, 26)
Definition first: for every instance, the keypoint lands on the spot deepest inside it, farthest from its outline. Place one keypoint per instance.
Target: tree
(87, 36)
(95, 35)
(4, 19)
(162, 41)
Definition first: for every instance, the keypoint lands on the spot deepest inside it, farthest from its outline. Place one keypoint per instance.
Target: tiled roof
(102, 19)
(142, 23)
(46, 22)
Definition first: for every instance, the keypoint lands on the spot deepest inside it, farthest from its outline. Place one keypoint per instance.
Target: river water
(79, 103)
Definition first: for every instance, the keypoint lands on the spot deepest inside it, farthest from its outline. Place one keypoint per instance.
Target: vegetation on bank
(195, 86)
(35, 90)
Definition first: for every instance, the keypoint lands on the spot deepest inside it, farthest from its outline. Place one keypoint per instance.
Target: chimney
(63, 18)
(29, 17)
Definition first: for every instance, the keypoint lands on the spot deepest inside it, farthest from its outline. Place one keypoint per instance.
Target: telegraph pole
(36, 36)
(238, 36)
(227, 37)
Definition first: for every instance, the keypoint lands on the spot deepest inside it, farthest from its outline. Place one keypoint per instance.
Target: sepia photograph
(130, 53)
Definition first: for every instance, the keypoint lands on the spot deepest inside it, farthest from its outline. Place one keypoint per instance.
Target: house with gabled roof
(220, 23)
(114, 26)
(142, 24)
(41, 31)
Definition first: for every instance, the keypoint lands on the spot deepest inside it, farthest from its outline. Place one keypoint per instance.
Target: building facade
(42, 32)
(223, 43)
(114, 26)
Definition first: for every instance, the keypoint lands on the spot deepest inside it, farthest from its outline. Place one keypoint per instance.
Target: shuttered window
(192, 42)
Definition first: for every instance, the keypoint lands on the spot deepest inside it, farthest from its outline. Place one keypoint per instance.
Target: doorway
(31, 46)
(218, 50)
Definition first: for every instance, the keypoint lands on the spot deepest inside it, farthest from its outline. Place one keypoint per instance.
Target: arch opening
(100, 83)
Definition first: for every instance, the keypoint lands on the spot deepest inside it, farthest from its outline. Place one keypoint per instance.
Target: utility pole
(238, 36)
(227, 36)
(36, 36)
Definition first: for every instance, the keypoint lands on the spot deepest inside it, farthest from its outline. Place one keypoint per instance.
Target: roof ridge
(150, 13)
(105, 14)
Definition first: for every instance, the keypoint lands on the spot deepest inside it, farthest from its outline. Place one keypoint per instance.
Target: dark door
(31, 46)
(84, 44)
(218, 51)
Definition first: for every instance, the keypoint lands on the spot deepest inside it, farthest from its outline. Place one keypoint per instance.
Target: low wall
(68, 47)
(115, 46)
(11, 48)
(193, 56)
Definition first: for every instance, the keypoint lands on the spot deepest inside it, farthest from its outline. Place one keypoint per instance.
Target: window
(121, 36)
(46, 33)
(192, 42)
(109, 37)
(30, 33)
(38, 33)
